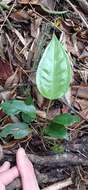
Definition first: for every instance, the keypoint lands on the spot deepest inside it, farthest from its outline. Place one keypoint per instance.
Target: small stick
(84, 5)
(76, 10)
(1, 153)
(59, 185)
(6, 17)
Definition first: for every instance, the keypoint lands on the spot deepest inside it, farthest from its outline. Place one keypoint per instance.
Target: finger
(2, 187)
(26, 171)
(5, 166)
(9, 175)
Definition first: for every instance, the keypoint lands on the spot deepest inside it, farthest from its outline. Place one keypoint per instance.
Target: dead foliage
(26, 26)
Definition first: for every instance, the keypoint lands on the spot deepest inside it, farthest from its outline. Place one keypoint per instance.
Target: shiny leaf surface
(54, 71)
(17, 130)
(66, 119)
(57, 131)
(14, 107)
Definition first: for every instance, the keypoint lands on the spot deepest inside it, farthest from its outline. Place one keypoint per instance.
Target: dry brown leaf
(5, 71)
(38, 97)
(83, 107)
(20, 15)
(50, 4)
(35, 1)
(68, 96)
(80, 91)
(75, 37)
(12, 81)
(41, 114)
(5, 95)
(19, 35)
(53, 112)
(70, 45)
(23, 1)
(84, 55)
(35, 26)
(2, 114)
(29, 1)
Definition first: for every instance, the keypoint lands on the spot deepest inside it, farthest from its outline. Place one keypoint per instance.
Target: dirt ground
(26, 27)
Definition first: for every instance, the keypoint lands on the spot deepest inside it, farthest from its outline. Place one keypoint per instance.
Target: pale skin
(23, 168)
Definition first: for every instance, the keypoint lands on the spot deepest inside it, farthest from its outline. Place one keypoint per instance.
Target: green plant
(54, 73)
(57, 127)
(53, 78)
(18, 130)
(57, 149)
(27, 113)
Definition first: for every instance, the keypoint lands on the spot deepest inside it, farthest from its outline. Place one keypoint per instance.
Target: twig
(74, 110)
(51, 161)
(4, 15)
(52, 12)
(1, 153)
(84, 5)
(58, 159)
(59, 185)
(76, 10)
(44, 18)
(6, 18)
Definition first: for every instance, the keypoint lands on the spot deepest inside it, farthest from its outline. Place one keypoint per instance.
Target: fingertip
(23, 161)
(21, 151)
(5, 166)
(7, 163)
(2, 187)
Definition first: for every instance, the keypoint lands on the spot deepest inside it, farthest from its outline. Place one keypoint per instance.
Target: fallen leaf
(41, 114)
(29, 1)
(50, 4)
(80, 91)
(82, 106)
(23, 1)
(84, 55)
(35, 24)
(7, 94)
(12, 81)
(5, 71)
(20, 16)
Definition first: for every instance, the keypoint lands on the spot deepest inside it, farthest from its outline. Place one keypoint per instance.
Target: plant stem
(52, 12)
(48, 109)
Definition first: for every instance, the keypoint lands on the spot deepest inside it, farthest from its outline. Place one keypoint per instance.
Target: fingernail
(21, 150)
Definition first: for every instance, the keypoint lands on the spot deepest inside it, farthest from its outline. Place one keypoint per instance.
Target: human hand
(24, 168)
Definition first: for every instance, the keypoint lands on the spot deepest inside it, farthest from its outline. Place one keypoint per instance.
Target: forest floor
(26, 27)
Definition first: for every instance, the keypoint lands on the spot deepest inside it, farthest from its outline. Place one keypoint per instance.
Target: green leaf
(29, 100)
(57, 149)
(14, 107)
(3, 5)
(17, 130)
(66, 119)
(56, 131)
(28, 118)
(54, 71)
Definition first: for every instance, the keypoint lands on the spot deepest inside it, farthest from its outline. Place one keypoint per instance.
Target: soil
(25, 30)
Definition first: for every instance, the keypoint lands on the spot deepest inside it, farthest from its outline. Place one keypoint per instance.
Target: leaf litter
(26, 28)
